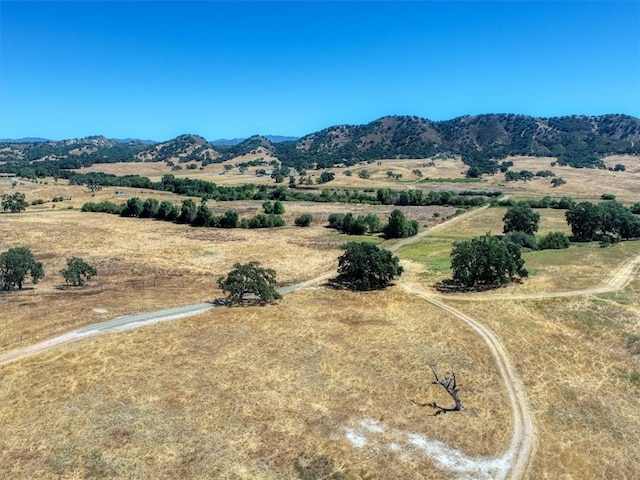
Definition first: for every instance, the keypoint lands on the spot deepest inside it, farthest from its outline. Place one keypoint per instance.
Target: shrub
(553, 240)
(523, 239)
(304, 220)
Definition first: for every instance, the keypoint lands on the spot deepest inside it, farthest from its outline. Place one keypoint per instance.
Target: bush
(608, 196)
(553, 240)
(304, 220)
(525, 240)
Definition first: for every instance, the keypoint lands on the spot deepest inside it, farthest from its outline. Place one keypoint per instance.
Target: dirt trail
(618, 280)
(523, 438)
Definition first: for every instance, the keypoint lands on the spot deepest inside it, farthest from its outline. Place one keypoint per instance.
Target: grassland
(294, 389)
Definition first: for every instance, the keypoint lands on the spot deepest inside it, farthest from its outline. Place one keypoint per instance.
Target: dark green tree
(133, 208)
(521, 218)
(230, 219)
(249, 278)
(304, 220)
(15, 264)
(364, 266)
(167, 211)
(486, 260)
(187, 211)
(149, 208)
(267, 207)
(326, 177)
(77, 272)
(584, 220)
(14, 203)
(278, 207)
(399, 226)
(203, 217)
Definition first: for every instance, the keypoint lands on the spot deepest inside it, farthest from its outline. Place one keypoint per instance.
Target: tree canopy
(14, 202)
(521, 218)
(15, 264)
(364, 266)
(77, 272)
(399, 226)
(249, 278)
(486, 260)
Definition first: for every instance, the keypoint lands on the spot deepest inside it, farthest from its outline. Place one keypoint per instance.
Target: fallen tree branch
(450, 384)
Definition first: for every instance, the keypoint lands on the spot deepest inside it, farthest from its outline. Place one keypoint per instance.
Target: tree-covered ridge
(75, 152)
(185, 148)
(481, 141)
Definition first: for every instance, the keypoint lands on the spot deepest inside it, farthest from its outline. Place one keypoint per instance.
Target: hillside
(575, 140)
(481, 141)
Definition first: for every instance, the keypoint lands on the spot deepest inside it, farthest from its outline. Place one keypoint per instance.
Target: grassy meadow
(322, 383)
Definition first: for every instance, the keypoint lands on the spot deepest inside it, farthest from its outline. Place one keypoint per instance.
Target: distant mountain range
(481, 140)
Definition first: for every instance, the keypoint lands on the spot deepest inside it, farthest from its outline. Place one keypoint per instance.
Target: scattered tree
(14, 203)
(521, 218)
(486, 260)
(15, 264)
(326, 177)
(557, 181)
(584, 220)
(304, 220)
(249, 278)
(77, 272)
(364, 266)
(399, 226)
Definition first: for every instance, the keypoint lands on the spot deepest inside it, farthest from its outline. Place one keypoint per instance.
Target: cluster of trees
(351, 225)
(17, 263)
(521, 224)
(611, 219)
(397, 226)
(190, 213)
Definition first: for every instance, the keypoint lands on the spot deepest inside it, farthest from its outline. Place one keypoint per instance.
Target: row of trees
(191, 213)
(611, 219)
(17, 263)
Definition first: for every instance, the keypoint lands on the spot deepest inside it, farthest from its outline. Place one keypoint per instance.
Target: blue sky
(155, 70)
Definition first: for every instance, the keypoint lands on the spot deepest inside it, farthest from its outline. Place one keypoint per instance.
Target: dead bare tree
(450, 384)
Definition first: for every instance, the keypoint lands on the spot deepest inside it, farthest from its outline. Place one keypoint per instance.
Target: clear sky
(155, 70)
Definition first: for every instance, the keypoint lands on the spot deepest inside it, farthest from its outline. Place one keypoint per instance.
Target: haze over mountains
(480, 140)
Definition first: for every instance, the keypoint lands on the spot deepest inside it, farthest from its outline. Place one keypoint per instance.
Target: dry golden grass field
(320, 384)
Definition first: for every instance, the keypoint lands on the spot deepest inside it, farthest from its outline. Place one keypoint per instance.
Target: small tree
(521, 218)
(304, 220)
(14, 203)
(364, 266)
(15, 264)
(399, 226)
(249, 278)
(77, 272)
(133, 208)
(278, 207)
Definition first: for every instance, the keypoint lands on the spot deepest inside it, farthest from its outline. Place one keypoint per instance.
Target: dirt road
(523, 439)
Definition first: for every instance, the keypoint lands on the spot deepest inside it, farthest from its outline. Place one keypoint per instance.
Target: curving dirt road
(523, 440)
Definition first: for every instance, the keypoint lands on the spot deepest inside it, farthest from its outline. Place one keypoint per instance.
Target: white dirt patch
(100, 310)
(379, 437)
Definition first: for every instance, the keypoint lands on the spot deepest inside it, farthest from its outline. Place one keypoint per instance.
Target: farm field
(322, 383)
